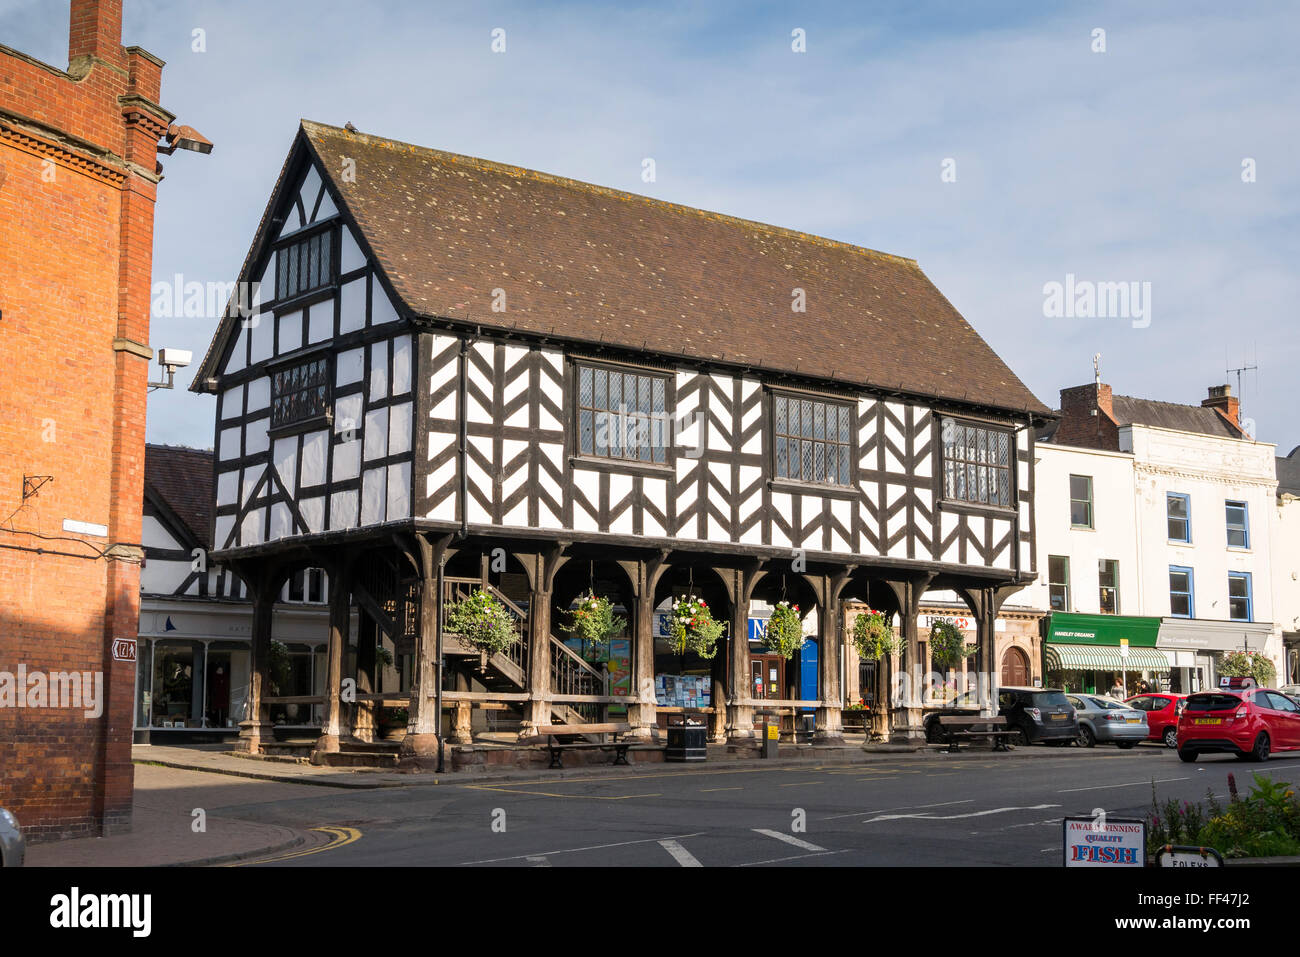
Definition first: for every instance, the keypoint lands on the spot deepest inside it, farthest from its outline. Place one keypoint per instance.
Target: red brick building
(78, 179)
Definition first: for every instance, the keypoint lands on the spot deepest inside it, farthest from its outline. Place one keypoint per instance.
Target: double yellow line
(338, 837)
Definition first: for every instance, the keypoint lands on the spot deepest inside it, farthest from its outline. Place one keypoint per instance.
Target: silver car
(12, 846)
(1108, 721)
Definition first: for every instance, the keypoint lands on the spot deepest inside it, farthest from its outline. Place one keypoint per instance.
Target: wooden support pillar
(340, 601)
(428, 555)
(541, 568)
(830, 654)
(907, 726)
(740, 584)
(364, 724)
(643, 706)
(256, 729)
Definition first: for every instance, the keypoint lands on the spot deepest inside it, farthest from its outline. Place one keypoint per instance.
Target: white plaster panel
(349, 366)
(314, 445)
(399, 491)
(376, 438)
(374, 494)
(352, 306)
(401, 365)
(378, 371)
(259, 394)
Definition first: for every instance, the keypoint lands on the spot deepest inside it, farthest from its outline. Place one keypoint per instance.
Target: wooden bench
(560, 738)
(970, 727)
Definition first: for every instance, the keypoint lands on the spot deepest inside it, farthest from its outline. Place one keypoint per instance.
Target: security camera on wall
(171, 360)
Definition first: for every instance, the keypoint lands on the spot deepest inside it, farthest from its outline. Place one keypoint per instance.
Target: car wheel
(1125, 745)
(1186, 755)
(1171, 737)
(1086, 738)
(1020, 738)
(1260, 752)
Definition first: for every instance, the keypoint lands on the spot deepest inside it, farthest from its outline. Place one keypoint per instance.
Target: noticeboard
(1174, 855)
(1102, 841)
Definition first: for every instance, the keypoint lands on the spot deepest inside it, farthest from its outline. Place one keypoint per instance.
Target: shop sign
(1123, 647)
(124, 649)
(1102, 841)
(772, 732)
(1172, 855)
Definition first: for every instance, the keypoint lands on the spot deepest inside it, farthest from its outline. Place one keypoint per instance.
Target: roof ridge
(619, 194)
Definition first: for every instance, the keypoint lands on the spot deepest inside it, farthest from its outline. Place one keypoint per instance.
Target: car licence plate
(1132, 720)
(1060, 717)
(1209, 720)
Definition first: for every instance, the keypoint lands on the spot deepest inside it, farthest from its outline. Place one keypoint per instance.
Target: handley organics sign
(1105, 842)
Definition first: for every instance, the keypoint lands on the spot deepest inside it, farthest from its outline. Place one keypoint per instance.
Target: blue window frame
(1178, 509)
(1182, 592)
(1238, 519)
(1240, 600)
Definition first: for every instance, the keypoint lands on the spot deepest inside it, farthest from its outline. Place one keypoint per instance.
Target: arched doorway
(1015, 668)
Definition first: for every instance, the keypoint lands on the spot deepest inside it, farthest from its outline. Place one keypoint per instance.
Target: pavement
(204, 806)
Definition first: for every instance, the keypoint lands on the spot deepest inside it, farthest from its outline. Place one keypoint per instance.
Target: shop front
(1094, 654)
(1196, 646)
(192, 668)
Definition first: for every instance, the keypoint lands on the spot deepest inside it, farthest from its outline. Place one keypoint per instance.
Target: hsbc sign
(124, 649)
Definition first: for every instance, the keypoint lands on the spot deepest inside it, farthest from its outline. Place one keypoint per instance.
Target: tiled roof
(584, 263)
(1170, 415)
(182, 479)
(1288, 473)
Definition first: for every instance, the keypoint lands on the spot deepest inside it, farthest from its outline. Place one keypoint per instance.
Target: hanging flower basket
(1248, 664)
(873, 636)
(482, 622)
(593, 619)
(784, 634)
(948, 644)
(693, 627)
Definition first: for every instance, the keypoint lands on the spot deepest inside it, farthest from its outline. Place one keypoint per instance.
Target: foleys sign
(1103, 841)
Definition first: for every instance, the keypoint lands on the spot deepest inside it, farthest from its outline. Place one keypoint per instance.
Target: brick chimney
(1227, 404)
(1088, 418)
(95, 30)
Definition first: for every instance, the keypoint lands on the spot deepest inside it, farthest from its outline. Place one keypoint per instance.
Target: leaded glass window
(300, 392)
(976, 464)
(623, 415)
(812, 440)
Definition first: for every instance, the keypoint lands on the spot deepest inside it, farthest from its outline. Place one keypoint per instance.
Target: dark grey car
(1107, 721)
(12, 846)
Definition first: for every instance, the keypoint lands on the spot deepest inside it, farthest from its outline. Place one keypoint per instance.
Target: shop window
(306, 585)
(623, 415)
(1239, 596)
(1178, 509)
(1058, 582)
(1081, 501)
(1182, 601)
(171, 703)
(976, 464)
(1108, 586)
(1238, 525)
(812, 440)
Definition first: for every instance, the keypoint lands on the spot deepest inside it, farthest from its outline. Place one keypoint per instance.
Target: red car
(1248, 722)
(1162, 712)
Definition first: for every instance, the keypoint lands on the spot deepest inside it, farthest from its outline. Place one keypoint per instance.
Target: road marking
(680, 854)
(799, 784)
(796, 857)
(572, 797)
(339, 837)
(538, 861)
(1131, 784)
(905, 807)
(789, 839)
(575, 850)
(710, 790)
(955, 817)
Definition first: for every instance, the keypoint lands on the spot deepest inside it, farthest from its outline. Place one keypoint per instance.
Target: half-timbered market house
(460, 375)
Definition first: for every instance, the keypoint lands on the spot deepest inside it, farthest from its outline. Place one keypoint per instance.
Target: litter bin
(770, 730)
(686, 738)
(807, 725)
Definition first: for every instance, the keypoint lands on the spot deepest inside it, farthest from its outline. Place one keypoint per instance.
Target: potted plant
(693, 627)
(483, 623)
(873, 636)
(393, 723)
(784, 633)
(948, 644)
(593, 619)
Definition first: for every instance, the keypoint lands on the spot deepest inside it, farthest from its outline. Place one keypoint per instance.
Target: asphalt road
(932, 810)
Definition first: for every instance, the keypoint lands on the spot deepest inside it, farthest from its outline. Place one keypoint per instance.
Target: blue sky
(1122, 166)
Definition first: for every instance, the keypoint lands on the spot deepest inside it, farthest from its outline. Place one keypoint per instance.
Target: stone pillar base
(419, 744)
(325, 744)
(828, 736)
(252, 734)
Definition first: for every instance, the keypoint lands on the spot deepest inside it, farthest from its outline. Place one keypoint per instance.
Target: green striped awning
(1103, 658)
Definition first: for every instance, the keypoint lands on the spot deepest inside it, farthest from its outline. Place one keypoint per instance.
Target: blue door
(808, 672)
